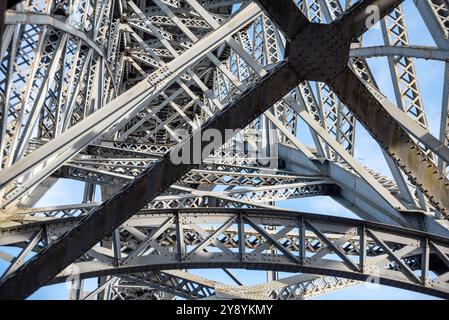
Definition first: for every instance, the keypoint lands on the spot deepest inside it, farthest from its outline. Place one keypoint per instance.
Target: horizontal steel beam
(328, 63)
(142, 190)
(419, 52)
(359, 18)
(252, 103)
(286, 15)
(15, 18)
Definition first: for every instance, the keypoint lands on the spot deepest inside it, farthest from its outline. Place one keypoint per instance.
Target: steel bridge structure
(108, 92)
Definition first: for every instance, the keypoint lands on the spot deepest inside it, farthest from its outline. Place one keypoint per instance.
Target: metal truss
(103, 92)
(230, 238)
(167, 284)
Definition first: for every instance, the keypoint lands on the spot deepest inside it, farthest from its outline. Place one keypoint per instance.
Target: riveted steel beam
(383, 248)
(320, 53)
(330, 43)
(286, 15)
(393, 139)
(140, 191)
(358, 19)
(418, 52)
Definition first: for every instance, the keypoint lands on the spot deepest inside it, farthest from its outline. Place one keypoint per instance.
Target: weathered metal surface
(139, 192)
(214, 70)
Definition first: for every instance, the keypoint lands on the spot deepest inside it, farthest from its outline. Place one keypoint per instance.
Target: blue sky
(368, 153)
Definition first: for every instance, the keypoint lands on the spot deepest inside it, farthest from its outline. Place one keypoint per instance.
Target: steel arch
(158, 44)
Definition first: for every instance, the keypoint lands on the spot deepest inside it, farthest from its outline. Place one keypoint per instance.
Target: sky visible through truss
(367, 152)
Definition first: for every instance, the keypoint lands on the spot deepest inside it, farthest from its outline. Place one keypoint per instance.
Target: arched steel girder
(14, 18)
(186, 285)
(419, 52)
(353, 20)
(151, 220)
(177, 283)
(165, 74)
(17, 18)
(352, 249)
(3, 6)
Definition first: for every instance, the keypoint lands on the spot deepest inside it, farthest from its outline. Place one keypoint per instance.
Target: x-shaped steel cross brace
(163, 173)
(321, 52)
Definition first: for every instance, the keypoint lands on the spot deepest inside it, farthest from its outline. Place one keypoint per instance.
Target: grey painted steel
(325, 234)
(420, 52)
(415, 163)
(139, 192)
(235, 60)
